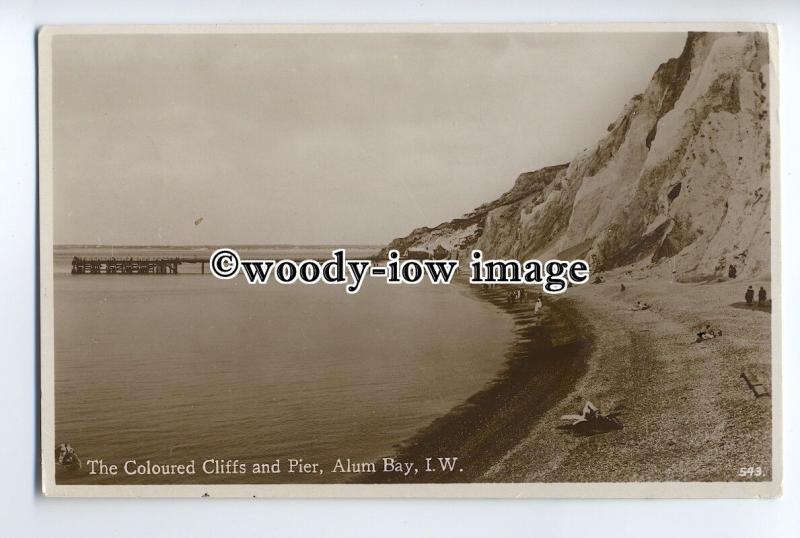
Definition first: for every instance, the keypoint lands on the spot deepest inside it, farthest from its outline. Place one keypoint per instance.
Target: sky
(320, 138)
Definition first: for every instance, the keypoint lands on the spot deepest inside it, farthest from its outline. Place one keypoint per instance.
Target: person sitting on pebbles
(708, 333)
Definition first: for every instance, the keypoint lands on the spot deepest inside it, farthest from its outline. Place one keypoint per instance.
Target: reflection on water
(174, 368)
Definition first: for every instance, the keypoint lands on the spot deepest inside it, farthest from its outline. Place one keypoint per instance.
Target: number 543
(750, 472)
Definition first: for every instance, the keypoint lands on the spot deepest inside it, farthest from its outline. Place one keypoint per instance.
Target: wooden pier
(132, 266)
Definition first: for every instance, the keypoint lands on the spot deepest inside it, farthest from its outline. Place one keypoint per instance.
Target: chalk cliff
(679, 184)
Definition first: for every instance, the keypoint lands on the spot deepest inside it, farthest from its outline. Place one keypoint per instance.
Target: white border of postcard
(472, 490)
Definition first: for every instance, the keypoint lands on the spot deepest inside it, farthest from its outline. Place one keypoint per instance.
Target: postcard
(410, 261)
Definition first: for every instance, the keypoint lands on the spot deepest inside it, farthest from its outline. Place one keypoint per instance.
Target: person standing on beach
(538, 306)
(762, 296)
(748, 295)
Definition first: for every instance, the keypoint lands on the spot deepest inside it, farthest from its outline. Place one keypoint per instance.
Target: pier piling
(131, 266)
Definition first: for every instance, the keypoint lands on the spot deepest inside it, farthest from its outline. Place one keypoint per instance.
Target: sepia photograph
(410, 261)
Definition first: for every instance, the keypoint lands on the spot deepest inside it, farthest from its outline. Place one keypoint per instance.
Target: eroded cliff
(680, 183)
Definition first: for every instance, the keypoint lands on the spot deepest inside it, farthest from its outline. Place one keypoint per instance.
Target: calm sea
(175, 368)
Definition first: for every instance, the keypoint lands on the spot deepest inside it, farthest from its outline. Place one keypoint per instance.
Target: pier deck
(132, 266)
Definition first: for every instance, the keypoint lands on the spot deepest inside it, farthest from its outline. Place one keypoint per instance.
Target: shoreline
(548, 356)
(687, 413)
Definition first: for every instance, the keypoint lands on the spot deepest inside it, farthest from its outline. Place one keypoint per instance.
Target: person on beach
(622, 287)
(703, 335)
(538, 306)
(762, 296)
(748, 295)
(708, 333)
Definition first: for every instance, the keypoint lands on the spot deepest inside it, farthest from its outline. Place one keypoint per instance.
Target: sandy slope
(688, 414)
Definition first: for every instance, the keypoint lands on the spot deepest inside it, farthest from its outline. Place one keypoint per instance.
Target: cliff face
(679, 184)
